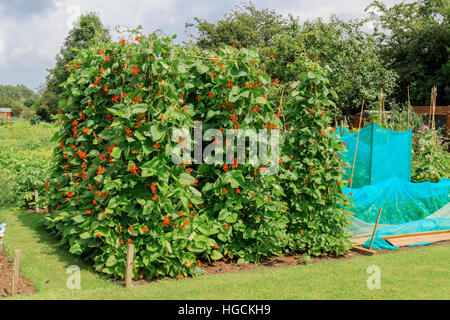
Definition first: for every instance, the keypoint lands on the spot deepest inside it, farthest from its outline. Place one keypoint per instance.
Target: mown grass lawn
(415, 274)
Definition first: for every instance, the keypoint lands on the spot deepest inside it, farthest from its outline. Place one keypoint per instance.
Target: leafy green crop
(114, 181)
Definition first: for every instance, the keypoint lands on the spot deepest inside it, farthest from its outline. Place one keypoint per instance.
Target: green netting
(381, 154)
(381, 179)
(402, 201)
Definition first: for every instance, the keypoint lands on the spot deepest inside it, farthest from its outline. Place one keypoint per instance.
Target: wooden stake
(280, 107)
(357, 140)
(409, 107)
(129, 270)
(15, 278)
(434, 114)
(400, 127)
(431, 103)
(380, 116)
(375, 228)
(433, 124)
(36, 200)
(342, 128)
(432, 117)
(1, 237)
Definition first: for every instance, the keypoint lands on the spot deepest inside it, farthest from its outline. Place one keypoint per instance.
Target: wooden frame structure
(439, 111)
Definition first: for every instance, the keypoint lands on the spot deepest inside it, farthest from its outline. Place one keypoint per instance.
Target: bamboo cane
(431, 103)
(357, 140)
(15, 275)
(375, 228)
(433, 121)
(380, 113)
(409, 106)
(280, 107)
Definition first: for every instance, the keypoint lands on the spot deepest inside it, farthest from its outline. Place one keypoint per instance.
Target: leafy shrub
(21, 174)
(430, 159)
(5, 120)
(114, 181)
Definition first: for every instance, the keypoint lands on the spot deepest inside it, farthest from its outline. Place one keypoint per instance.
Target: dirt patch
(25, 286)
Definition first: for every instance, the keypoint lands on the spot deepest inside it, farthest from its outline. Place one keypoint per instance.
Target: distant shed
(6, 112)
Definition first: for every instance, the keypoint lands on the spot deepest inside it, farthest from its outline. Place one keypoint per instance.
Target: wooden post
(36, 200)
(15, 278)
(129, 270)
(357, 140)
(342, 128)
(375, 228)
(2, 233)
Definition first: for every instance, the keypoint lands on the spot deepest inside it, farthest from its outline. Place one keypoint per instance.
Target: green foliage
(245, 209)
(313, 185)
(5, 120)
(242, 27)
(114, 181)
(19, 92)
(430, 158)
(24, 162)
(21, 174)
(415, 36)
(400, 120)
(357, 72)
(87, 31)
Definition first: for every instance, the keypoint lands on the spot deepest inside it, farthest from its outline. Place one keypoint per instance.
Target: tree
(358, 73)
(415, 37)
(30, 102)
(87, 31)
(19, 92)
(242, 27)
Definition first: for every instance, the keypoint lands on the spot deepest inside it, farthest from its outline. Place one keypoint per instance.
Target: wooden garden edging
(417, 237)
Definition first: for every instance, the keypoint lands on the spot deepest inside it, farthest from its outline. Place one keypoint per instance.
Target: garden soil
(25, 286)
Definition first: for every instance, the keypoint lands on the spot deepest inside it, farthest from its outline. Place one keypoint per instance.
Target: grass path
(415, 274)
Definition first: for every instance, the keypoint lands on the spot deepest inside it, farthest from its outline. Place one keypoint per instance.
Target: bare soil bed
(24, 287)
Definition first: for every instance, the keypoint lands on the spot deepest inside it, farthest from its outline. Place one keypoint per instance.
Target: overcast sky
(32, 31)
